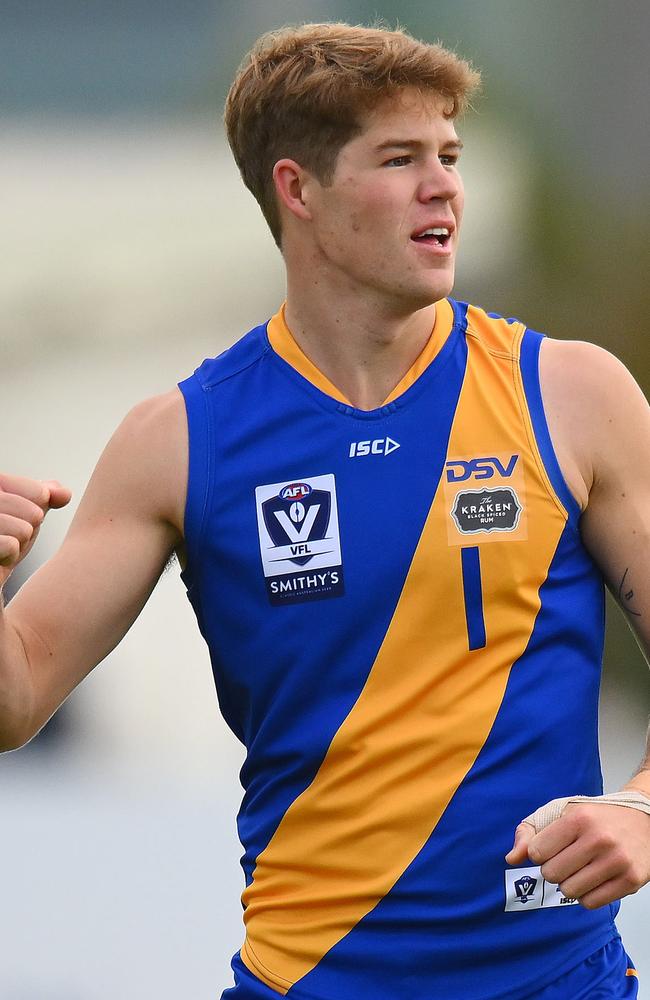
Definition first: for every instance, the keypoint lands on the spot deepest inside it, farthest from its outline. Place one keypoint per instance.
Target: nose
(439, 182)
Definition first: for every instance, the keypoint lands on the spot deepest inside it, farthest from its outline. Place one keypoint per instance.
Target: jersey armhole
(529, 366)
(198, 478)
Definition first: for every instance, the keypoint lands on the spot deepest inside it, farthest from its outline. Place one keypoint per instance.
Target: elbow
(8, 743)
(15, 736)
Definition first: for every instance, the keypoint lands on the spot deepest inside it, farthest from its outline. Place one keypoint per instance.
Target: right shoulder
(157, 416)
(242, 355)
(148, 456)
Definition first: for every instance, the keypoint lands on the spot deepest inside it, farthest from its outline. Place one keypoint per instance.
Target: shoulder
(155, 430)
(156, 416)
(595, 368)
(244, 353)
(147, 458)
(588, 381)
(592, 403)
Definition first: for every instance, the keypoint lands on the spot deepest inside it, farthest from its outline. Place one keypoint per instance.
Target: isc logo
(480, 468)
(380, 446)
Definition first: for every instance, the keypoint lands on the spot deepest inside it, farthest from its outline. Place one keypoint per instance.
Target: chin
(412, 296)
(423, 297)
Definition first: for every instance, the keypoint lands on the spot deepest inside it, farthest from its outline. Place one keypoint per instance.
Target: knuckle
(9, 549)
(579, 813)
(605, 841)
(621, 861)
(632, 879)
(29, 531)
(534, 853)
(24, 532)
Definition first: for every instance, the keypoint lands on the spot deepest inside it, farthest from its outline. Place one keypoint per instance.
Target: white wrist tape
(548, 813)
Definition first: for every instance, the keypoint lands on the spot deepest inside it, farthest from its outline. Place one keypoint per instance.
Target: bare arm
(600, 424)
(76, 608)
(616, 523)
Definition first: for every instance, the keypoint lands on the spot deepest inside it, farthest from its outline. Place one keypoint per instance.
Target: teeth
(435, 232)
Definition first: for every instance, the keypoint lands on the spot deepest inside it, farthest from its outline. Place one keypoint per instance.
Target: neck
(363, 347)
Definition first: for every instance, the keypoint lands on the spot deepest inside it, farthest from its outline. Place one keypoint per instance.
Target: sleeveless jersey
(406, 633)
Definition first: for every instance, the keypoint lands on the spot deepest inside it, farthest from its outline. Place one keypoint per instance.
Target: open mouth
(438, 237)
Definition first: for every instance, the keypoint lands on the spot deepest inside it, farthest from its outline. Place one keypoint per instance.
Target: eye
(448, 159)
(398, 161)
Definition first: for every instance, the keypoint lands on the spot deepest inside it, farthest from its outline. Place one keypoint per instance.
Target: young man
(395, 513)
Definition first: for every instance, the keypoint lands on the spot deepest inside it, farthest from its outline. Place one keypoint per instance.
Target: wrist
(639, 783)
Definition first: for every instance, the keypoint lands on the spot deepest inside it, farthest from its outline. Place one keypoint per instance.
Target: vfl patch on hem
(486, 510)
(526, 889)
(300, 544)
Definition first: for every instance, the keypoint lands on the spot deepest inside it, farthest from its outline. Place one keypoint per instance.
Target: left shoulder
(588, 381)
(578, 364)
(593, 405)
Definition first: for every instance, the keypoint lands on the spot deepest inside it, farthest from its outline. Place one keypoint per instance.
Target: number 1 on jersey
(473, 593)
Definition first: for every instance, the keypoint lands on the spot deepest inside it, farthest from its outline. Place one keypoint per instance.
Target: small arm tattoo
(626, 595)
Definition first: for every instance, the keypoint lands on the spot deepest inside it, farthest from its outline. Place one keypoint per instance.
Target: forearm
(15, 687)
(641, 780)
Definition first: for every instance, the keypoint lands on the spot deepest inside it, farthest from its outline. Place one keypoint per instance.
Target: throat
(368, 394)
(364, 364)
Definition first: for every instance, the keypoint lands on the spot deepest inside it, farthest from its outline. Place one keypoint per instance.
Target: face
(388, 224)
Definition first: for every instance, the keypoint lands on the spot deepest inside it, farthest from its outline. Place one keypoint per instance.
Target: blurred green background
(130, 251)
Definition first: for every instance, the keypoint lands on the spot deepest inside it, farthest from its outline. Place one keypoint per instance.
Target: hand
(595, 853)
(23, 506)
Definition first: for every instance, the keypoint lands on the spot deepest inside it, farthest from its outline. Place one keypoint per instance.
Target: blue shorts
(608, 974)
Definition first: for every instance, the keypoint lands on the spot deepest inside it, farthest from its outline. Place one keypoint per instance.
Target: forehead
(409, 114)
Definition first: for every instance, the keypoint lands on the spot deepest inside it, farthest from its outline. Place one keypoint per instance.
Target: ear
(290, 180)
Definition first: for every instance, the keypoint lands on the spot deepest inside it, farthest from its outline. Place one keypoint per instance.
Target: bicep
(616, 523)
(77, 607)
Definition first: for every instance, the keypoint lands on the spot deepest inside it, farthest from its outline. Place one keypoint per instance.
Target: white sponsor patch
(527, 889)
(298, 526)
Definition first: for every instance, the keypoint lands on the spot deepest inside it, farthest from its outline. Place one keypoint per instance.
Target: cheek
(458, 205)
(373, 206)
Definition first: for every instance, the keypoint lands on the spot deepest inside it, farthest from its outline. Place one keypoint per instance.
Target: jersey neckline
(285, 348)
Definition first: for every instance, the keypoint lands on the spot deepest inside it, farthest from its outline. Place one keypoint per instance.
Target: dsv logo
(479, 468)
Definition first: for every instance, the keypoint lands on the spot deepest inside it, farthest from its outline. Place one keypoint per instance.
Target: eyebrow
(415, 144)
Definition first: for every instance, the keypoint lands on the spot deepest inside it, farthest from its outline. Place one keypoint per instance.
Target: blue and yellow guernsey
(406, 633)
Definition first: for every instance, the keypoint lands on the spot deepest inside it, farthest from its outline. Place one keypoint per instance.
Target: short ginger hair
(302, 92)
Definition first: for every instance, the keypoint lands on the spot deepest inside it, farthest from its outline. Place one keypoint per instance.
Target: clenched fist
(596, 853)
(23, 505)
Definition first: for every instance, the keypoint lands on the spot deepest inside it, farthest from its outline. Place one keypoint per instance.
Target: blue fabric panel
(602, 976)
(471, 562)
(530, 348)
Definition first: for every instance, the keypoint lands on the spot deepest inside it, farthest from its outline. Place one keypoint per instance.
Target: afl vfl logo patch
(527, 889)
(298, 527)
(486, 510)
